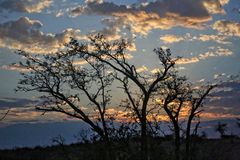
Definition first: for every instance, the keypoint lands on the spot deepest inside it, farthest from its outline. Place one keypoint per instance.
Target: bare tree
(63, 83)
(173, 98)
(114, 56)
(195, 102)
(58, 76)
(182, 102)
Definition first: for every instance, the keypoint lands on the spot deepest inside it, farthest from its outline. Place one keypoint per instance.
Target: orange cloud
(219, 52)
(142, 69)
(187, 60)
(229, 28)
(142, 22)
(215, 6)
(145, 17)
(211, 115)
(171, 38)
(218, 38)
(15, 67)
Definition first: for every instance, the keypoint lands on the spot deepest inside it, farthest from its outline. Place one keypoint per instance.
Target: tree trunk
(105, 129)
(144, 145)
(177, 142)
(188, 136)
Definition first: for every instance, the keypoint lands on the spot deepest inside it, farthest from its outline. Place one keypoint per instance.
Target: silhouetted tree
(64, 83)
(114, 56)
(221, 128)
(86, 71)
(195, 104)
(172, 99)
(59, 76)
(182, 101)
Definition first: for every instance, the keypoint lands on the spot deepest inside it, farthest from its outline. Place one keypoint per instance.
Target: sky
(206, 33)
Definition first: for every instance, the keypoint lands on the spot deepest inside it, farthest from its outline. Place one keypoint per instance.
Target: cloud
(155, 71)
(219, 52)
(221, 39)
(222, 104)
(30, 115)
(215, 6)
(112, 30)
(25, 34)
(227, 27)
(218, 116)
(142, 69)
(14, 67)
(171, 38)
(148, 16)
(28, 6)
(187, 60)
(218, 38)
(7, 102)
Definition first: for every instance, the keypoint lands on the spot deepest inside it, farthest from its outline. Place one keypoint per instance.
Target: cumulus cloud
(171, 38)
(218, 38)
(211, 37)
(226, 27)
(112, 29)
(215, 6)
(25, 34)
(28, 6)
(219, 52)
(187, 60)
(151, 15)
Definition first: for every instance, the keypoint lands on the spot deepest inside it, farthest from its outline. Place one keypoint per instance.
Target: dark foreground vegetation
(159, 149)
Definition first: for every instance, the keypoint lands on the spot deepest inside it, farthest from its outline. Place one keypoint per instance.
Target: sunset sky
(206, 33)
